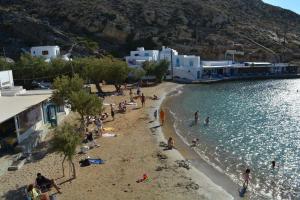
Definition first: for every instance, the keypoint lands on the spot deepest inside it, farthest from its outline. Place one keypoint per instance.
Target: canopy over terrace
(10, 106)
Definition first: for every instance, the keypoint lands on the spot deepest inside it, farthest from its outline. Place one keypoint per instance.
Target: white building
(24, 115)
(182, 66)
(138, 57)
(45, 51)
(6, 79)
(167, 54)
(187, 67)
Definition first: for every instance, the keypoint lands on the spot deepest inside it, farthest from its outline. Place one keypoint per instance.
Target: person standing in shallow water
(273, 164)
(207, 121)
(196, 116)
(246, 178)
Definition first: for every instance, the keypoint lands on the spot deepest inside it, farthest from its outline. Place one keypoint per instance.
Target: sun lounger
(109, 135)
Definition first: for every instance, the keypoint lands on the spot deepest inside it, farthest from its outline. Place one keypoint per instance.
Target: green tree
(30, 68)
(105, 69)
(65, 141)
(4, 65)
(95, 70)
(85, 104)
(64, 86)
(159, 70)
(116, 73)
(137, 73)
(60, 67)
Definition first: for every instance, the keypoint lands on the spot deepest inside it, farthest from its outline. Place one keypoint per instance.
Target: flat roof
(13, 105)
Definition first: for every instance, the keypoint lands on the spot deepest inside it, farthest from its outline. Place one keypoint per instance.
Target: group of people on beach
(38, 190)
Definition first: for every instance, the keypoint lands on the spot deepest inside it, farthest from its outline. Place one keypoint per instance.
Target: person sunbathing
(104, 116)
(45, 184)
(36, 194)
(155, 97)
(122, 107)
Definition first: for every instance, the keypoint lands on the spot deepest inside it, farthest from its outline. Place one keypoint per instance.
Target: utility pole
(4, 55)
(172, 71)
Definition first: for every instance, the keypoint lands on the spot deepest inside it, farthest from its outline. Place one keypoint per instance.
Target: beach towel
(96, 161)
(108, 104)
(109, 129)
(131, 104)
(109, 135)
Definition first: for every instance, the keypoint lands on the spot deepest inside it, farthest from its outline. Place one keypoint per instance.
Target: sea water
(251, 124)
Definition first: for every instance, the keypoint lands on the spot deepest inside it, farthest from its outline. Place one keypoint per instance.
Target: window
(44, 53)
(34, 52)
(146, 54)
(191, 63)
(177, 62)
(136, 54)
(29, 117)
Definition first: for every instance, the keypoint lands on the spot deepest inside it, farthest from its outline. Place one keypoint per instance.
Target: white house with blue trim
(182, 66)
(138, 57)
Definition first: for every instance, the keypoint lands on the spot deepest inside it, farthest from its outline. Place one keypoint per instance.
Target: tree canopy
(157, 69)
(64, 86)
(85, 103)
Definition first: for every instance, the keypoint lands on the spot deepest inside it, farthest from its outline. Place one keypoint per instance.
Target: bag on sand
(84, 163)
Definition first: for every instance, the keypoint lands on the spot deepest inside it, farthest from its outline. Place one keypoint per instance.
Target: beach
(134, 152)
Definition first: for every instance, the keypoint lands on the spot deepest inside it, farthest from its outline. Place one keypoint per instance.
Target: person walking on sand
(143, 100)
(131, 95)
(155, 114)
(196, 116)
(112, 111)
(246, 178)
(162, 116)
(138, 91)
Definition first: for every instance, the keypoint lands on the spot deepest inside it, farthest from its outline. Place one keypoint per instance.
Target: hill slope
(204, 27)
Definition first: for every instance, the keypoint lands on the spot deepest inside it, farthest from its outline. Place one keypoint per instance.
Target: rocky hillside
(203, 27)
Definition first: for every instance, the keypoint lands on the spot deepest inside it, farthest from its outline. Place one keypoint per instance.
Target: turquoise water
(251, 124)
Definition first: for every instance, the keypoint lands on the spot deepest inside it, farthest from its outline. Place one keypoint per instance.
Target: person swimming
(196, 116)
(207, 121)
(273, 164)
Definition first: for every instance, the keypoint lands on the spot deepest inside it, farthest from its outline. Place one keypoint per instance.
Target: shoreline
(201, 172)
(200, 165)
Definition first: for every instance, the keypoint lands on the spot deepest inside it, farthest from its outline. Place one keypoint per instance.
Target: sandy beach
(134, 152)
